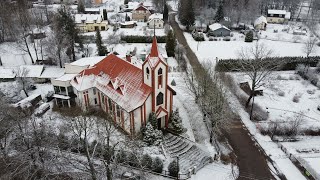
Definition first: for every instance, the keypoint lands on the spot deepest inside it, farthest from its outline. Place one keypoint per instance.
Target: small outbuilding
(218, 30)
(261, 23)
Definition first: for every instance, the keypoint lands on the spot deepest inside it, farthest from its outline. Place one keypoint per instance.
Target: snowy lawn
(210, 50)
(278, 93)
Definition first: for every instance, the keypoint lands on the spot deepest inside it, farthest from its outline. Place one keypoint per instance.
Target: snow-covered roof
(116, 78)
(52, 72)
(216, 26)
(26, 102)
(133, 5)
(88, 18)
(154, 56)
(88, 61)
(30, 71)
(156, 16)
(275, 11)
(260, 20)
(7, 73)
(92, 10)
(66, 77)
(128, 23)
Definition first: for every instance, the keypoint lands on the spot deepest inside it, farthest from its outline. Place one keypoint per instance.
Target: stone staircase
(189, 153)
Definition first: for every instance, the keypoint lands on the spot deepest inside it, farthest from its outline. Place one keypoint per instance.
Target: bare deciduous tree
(252, 63)
(23, 80)
(309, 46)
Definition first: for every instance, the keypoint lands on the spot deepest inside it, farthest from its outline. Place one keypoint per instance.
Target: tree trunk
(91, 166)
(249, 99)
(28, 49)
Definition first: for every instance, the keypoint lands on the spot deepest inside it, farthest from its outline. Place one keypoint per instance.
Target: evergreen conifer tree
(219, 14)
(176, 122)
(165, 13)
(100, 47)
(157, 165)
(80, 7)
(152, 136)
(170, 43)
(186, 13)
(153, 120)
(105, 15)
(249, 37)
(173, 168)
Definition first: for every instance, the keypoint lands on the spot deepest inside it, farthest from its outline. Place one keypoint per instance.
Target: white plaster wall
(148, 107)
(137, 120)
(164, 83)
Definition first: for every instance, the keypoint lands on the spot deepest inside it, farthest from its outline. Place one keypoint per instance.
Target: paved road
(252, 164)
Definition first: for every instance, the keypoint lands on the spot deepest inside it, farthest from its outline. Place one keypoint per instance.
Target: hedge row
(289, 63)
(142, 39)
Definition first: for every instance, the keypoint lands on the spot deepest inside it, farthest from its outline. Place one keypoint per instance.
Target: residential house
(63, 91)
(218, 30)
(128, 24)
(65, 1)
(96, 2)
(278, 16)
(128, 93)
(92, 10)
(141, 13)
(156, 21)
(260, 23)
(90, 22)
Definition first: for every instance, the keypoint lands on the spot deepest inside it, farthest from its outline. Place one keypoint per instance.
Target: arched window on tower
(160, 99)
(160, 79)
(148, 73)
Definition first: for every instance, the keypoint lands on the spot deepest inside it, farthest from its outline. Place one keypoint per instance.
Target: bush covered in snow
(157, 165)
(147, 161)
(249, 37)
(173, 169)
(296, 98)
(197, 36)
(175, 122)
(281, 93)
(152, 136)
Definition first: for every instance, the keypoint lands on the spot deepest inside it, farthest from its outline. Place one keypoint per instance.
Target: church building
(128, 93)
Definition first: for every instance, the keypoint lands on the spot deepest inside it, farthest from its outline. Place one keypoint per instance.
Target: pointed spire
(154, 48)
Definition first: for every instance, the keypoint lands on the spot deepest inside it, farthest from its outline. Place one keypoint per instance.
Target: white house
(156, 21)
(261, 23)
(126, 92)
(90, 22)
(278, 16)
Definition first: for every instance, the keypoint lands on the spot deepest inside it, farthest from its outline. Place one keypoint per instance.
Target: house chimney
(128, 58)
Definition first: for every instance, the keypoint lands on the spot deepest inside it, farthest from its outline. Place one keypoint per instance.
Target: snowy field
(210, 50)
(278, 93)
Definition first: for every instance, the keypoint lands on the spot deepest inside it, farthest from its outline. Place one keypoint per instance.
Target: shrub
(152, 136)
(227, 39)
(157, 165)
(281, 93)
(147, 161)
(310, 91)
(296, 98)
(133, 160)
(211, 38)
(121, 156)
(225, 159)
(174, 169)
(173, 83)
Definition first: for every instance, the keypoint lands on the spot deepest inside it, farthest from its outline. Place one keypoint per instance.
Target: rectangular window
(110, 104)
(63, 90)
(160, 81)
(118, 111)
(94, 91)
(56, 89)
(95, 101)
(102, 100)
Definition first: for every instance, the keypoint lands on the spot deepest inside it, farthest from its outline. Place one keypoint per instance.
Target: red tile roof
(141, 8)
(119, 80)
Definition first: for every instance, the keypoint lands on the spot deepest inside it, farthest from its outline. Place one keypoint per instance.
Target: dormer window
(148, 73)
(160, 78)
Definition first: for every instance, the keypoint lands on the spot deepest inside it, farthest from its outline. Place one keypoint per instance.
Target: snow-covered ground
(210, 50)
(278, 92)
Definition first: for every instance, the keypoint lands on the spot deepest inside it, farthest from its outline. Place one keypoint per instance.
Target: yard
(279, 93)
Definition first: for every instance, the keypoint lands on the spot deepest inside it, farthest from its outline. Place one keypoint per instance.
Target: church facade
(128, 93)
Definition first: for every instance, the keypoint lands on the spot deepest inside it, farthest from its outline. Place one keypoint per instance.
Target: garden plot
(292, 32)
(287, 95)
(307, 150)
